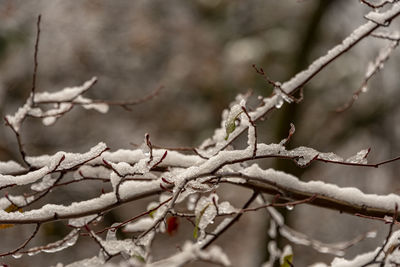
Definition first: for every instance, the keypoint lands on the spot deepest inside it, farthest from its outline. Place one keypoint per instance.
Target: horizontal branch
(347, 200)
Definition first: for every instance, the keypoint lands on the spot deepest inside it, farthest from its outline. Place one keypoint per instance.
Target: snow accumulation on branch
(217, 142)
(177, 178)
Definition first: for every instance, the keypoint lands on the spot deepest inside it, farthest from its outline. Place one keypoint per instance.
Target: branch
(35, 60)
(23, 244)
(291, 86)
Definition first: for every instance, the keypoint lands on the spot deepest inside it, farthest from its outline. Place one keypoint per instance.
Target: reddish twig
(134, 218)
(126, 104)
(20, 145)
(160, 161)
(23, 244)
(232, 222)
(148, 144)
(394, 219)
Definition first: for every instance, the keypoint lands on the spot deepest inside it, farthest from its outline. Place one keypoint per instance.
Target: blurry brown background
(202, 52)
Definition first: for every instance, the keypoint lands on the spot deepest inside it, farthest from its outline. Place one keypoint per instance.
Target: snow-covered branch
(185, 183)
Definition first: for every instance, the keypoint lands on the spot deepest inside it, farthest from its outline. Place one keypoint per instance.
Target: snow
(287, 250)
(63, 102)
(91, 171)
(91, 262)
(205, 213)
(46, 183)
(66, 95)
(28, 178)
(71, 159)
(360, 260)
(379, 61)
(18, 200)
(16, 120)
(230, 123)
(89, 104)
(140, 225)
(173, 158)
(299, 79)
(187, 172)
(360, 157)
(81, 221)
(350, 195)
(128, 191)
(191, 252)
(49, 120)
(381, 18)
(9, 167)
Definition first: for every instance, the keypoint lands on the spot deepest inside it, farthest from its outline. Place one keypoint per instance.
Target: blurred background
(202, 52)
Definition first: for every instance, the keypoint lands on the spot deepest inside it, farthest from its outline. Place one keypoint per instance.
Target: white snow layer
(349, 195)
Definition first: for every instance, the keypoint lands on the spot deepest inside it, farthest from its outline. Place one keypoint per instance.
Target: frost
(304, 155)
(112, 233)
(143, 166)
(281, 97)
(191, 203)
(192, 252)
(205, 213)
(226, 208)
(330, 157)
(234, 113)
(126, 246)
(68, 241)
(82, 221)
(359, 158)
(91, 262)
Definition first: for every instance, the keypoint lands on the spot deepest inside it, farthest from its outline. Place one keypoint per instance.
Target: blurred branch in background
(202, 51)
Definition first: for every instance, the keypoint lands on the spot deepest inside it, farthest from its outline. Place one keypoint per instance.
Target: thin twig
(232, 221)
(23, 244)
(19, 141)
(35, 60)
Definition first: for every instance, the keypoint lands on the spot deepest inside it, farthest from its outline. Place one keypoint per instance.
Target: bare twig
(23, 244)
(35, 60)
(19, 141)
(374, 260)
(208, 242)
(375, 6)
(373, 68)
